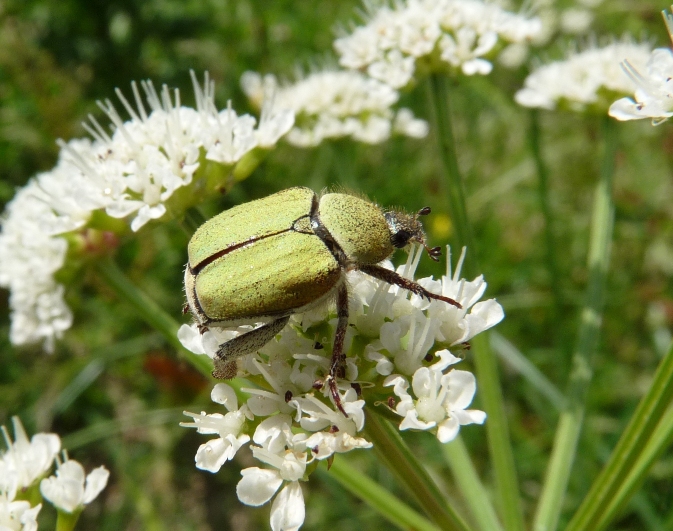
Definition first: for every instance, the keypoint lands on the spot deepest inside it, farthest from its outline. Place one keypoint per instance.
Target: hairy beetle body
(263, 261)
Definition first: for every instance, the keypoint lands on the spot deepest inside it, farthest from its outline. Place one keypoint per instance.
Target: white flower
(653, 96)
(69, 490)
(213, 454)
(464, 31)
(26, 461)
(258, 485)
(333, 104)
(131, 173)
(17, 515)
(580, 80)
(440, 399)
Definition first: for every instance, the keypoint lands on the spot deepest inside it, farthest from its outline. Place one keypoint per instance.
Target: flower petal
(257, 485)
(288, 510)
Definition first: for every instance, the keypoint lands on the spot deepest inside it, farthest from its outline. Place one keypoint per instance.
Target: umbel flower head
(132, 174)
(653, 84)
(456, 33)
(337, 103)
(290, 419)
(584, 80)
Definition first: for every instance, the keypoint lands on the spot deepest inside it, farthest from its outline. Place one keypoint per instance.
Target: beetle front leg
(391, 277)
(244, 344)
(337, 365)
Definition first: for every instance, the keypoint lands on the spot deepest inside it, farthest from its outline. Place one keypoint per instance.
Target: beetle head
(405, 229)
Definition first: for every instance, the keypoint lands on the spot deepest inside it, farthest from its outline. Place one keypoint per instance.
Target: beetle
(262, 261)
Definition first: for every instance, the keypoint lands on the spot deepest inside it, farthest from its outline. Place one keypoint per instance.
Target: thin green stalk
(497, 431)
(570, 421)
(507, 485)
(396, 455)
(471, 487)
(386, 504)
(67, 521)
(543, 193)
(441, 112)
(149, 311)
(515, 359)
(632, 455)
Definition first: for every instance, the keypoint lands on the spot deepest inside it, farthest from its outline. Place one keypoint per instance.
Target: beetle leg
(245, 344)
(337, 365)
(391, 277)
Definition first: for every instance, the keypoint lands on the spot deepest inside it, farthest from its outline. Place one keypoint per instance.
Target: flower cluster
(393, 339)
(23, 468)
(586, 79)
(336, 103)
(130, 174)
(459, 33)
(653, 96)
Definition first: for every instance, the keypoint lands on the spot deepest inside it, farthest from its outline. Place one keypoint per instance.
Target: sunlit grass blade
(515, 359)
(386, 504)
(570, 422)
(404, 465)
(638, 447)
(471, 487)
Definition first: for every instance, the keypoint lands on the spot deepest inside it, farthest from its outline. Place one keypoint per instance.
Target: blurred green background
(114, 390)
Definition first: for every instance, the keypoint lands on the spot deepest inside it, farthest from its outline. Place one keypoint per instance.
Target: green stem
(634, 453)
(471, 487)
(149, 311)
(439, 96)
(497, 431)
(397, 456)
(485, 361)
(387, 505)
(570, 421)
(67, 521)
(543, 193)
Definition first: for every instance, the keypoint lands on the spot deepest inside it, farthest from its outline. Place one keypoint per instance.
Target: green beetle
(262, 261)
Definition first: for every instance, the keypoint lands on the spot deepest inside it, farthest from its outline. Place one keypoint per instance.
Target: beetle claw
(334, 391)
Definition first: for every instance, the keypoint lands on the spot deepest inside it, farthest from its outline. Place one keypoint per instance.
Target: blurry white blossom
(461, 33)
(334, 104)
(584, 79)
(290, 416)
(71, 489)
(131, 173)
(26, 461)
(17, 515)
(653, 84)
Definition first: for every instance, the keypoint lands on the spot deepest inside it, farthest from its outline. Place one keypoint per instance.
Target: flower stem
(67, 521)
(149, 311)
(389, 506)
(644, 439)
(397, 456)
(570, 421)
(485, 361)
(497, 431)
(441, 111)
(471, 487)
(543, 193)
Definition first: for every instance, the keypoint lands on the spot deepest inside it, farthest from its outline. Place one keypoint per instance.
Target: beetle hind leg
(338, 363)
(252, 341)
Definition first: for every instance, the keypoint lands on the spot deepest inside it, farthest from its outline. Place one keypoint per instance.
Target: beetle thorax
(357, 226)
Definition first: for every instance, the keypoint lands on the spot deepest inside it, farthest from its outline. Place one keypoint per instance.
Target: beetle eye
(400, 238)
